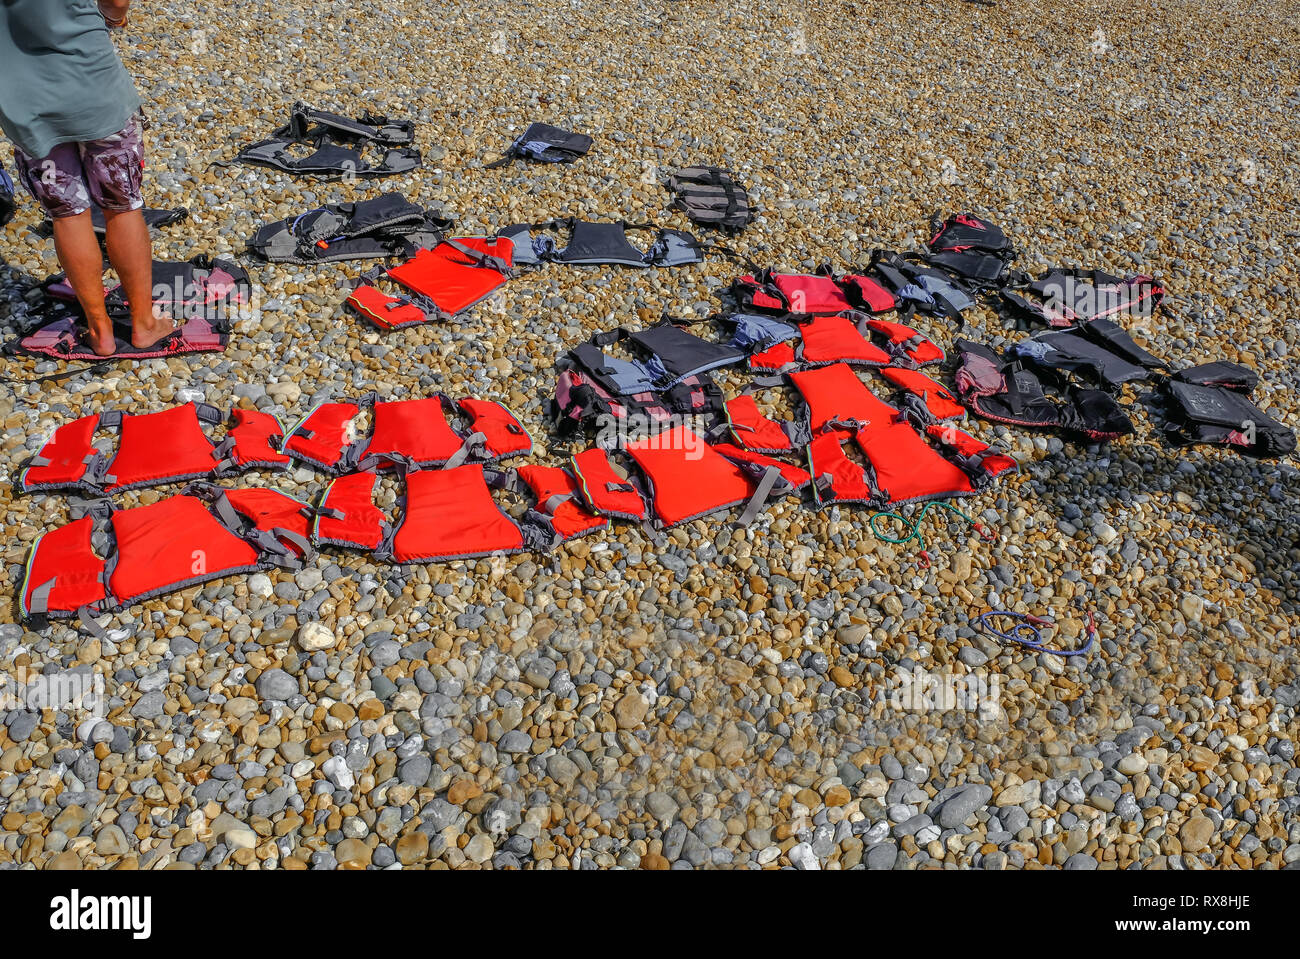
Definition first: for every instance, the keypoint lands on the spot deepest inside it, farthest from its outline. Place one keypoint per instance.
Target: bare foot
(158, 327)
(100, 335)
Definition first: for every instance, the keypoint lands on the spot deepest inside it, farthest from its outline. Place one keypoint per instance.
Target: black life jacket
(665, 376)
(387, 225)
(973, 248)
(1063, 298)
(1209, 404)
(338, 143)
(921, 288)
(1007, 392)
(153, 218)
(1099, 351)
(710, 196)
(582, 400)
(599, 244)
(663, 356)
(545, 144)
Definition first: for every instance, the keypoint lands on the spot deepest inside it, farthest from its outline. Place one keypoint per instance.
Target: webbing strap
(756, 502)
(554, 502)
(40, 602)
(482, 259)
(89, 623)
(225, 512)
(303, 544)
(474, 443)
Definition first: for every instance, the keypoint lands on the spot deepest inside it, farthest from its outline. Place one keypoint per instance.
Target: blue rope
(1028, 631)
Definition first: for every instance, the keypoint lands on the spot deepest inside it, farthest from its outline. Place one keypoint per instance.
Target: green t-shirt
(60, 78)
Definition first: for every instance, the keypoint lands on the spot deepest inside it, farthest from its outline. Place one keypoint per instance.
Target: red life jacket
(417, 431)
(866, 294)
(63, 572)
(837, 479)
(164, 447)
(794, 477)
(172, 544)
(557, 495)
(906, 343)
(385, 311)
(502, 434)
(688, 478)
(834, 395)
(274, 512)
(450, 514)
(605, 491)
(975, 453)
(836, 339)
(248, 443)
(65, 461)
(453, 278)
(812, 293)
(347, 515)
(941, 403)
(791, 293)
(776, 358)
(754, 431)
(904, 468)
(907, 468)
(320, 438)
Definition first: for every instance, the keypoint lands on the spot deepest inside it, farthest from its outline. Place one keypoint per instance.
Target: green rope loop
(913, 527)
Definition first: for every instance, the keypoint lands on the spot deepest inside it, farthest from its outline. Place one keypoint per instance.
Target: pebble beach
(799, 693)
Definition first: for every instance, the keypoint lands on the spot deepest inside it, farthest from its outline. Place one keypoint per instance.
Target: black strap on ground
(62, 374)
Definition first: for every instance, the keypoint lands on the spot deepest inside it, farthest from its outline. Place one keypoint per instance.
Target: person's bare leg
(131, 253)
(81, 259)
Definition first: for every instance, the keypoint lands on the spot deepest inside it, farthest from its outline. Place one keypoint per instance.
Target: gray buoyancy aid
(339, 142)
(545, 144)
(598, 244)
(710, 196)
(387, 225)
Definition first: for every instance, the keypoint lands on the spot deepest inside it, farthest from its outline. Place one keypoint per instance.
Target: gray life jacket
(545, 144)
(710, 196)
(388, 225)
(599, 244)
(339, 144)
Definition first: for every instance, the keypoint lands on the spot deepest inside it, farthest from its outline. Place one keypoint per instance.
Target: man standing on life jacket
(73, 114)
